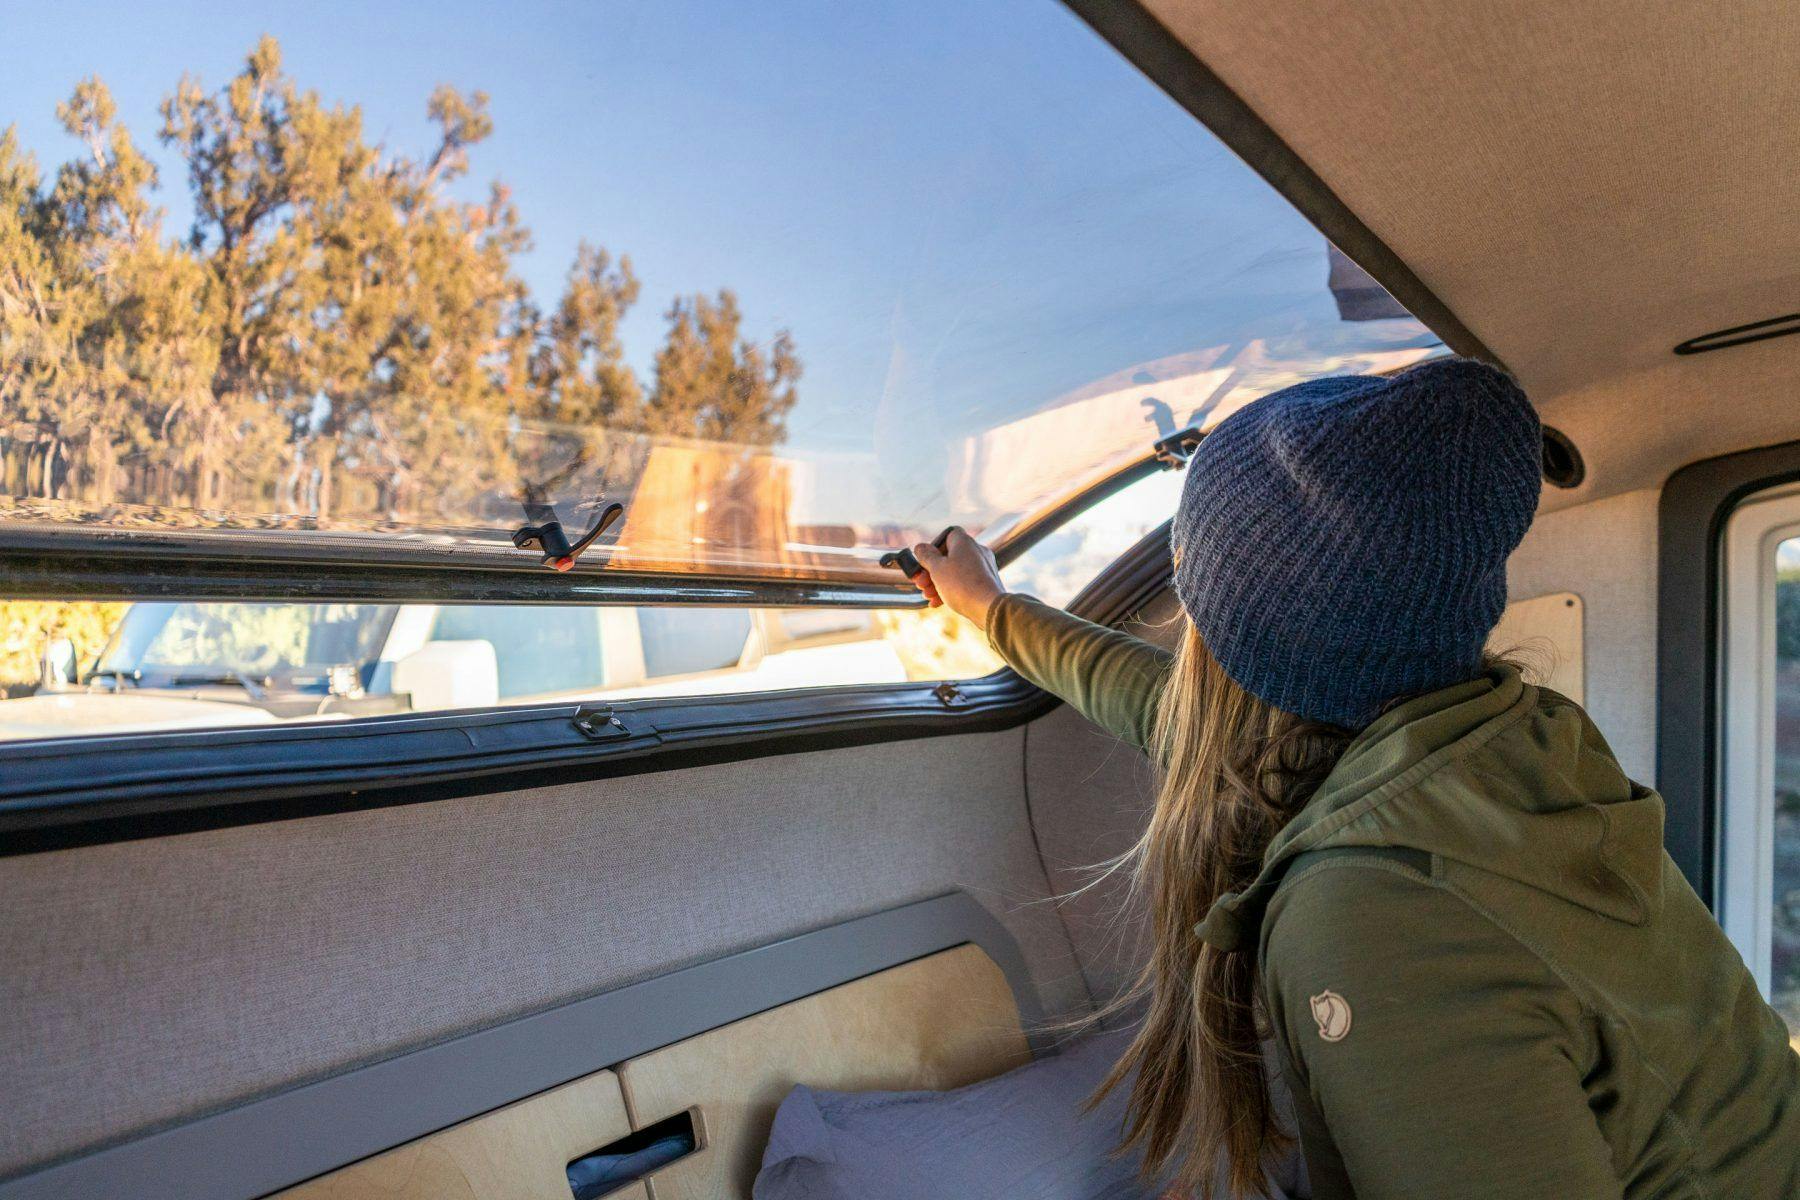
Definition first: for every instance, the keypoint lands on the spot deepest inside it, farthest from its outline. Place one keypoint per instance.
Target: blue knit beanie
(1343, 541)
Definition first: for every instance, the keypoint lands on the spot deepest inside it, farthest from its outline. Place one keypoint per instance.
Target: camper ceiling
(1583, 191)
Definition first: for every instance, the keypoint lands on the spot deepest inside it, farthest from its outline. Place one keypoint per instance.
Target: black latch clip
(548, 536)
(598, 722)
(950, 696)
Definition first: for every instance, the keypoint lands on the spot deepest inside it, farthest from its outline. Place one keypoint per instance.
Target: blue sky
(960, 210)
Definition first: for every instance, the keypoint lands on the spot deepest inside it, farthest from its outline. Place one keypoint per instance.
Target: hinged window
(296, 308)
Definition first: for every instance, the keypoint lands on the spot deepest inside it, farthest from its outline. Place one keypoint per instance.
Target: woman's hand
(962, 576)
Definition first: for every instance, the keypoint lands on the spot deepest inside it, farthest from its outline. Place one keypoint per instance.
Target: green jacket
(1485, 976)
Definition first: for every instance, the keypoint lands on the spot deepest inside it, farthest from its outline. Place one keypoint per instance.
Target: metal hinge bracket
(600, 723)
(1175, 451)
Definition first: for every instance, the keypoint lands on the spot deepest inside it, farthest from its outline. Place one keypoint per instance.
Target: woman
(1427, 880)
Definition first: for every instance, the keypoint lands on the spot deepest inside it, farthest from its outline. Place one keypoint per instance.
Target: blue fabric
(1344, 541)
(1020, 1136)
(597, 1174)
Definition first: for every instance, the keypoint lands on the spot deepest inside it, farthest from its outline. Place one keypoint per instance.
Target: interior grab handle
(635, 1156)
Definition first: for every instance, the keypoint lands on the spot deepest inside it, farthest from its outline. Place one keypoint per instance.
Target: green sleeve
(1457, 1059)
(1113, 679)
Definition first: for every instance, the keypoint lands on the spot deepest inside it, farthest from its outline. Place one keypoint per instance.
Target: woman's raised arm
(1112, 678)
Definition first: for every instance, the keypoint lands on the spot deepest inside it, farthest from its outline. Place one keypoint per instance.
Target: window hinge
(600, 723)
(1175, 451)
(949, 695)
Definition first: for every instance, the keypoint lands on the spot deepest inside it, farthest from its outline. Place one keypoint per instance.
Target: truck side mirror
(449, 674)
(57, 667)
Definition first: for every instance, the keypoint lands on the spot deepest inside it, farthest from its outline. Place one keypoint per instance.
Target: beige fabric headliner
(1583, 185)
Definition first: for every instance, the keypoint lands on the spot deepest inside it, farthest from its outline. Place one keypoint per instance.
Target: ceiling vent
(1563, 467)
(1739, 335)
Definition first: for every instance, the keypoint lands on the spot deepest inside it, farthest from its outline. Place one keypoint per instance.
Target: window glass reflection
(795, 282)
(1784, 972)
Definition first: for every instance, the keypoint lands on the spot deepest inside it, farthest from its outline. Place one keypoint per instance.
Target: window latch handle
(950, 696)
(907, 561)
(559, 554)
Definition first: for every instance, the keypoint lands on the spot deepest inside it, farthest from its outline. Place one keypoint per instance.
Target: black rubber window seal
(1696, 502)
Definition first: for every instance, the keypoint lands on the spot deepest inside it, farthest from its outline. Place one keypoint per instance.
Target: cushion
(1019, 1136)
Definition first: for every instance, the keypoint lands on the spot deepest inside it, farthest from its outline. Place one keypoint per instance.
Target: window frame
(1696, 505)
(66, 564)
(247, 566)
(1754, 530)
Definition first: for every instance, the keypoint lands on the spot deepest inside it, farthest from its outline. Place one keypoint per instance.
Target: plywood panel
(520, 1152)
(940, 1022)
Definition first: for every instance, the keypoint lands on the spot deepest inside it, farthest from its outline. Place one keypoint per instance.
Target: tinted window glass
(539, 650)
(155, 666)
(1057, 568)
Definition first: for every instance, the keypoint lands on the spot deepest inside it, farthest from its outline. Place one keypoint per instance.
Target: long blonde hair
(1234, 771)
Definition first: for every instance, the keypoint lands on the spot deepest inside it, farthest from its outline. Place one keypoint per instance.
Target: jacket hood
(1494, 773)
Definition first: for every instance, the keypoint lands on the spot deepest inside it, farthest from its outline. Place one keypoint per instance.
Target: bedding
(1023, 1135)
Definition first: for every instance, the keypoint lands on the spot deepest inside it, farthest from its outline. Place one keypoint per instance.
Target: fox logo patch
(1332, 1012)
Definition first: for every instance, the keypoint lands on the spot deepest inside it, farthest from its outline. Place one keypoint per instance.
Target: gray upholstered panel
(149, 981)
(1090, 797)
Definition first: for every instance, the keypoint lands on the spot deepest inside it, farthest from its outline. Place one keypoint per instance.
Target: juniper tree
(334, 318)
(712, 383)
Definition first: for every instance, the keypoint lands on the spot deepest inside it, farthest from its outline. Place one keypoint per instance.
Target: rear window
(297, 644)
(74, 668)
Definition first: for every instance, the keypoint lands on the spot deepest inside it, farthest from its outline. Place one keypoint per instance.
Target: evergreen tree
(712, 384)
(43, 307)
(148, 345)
(335, 336)
(579, 373)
